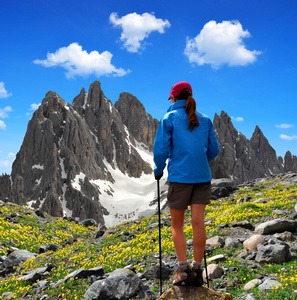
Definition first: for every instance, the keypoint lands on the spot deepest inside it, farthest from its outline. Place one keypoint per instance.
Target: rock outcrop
(140, 124)
(290, 162)
(242, 159)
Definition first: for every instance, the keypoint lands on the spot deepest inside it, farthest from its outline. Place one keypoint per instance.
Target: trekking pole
(160, 251)
(206, 269)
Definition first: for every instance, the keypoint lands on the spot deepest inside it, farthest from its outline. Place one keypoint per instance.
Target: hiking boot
(184, 276)
(196, 270)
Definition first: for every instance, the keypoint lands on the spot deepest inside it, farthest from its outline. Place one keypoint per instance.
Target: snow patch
(76, 182)
(39, 167)
(63, 173)
(38, 181)
(67, 212)
(95, 137)
(128, 196)
(85, 101)
(128, 138)
(109, 104)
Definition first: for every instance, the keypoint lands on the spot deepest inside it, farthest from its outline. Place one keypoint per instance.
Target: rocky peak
(290, 162)
(240, 158)
(224, 125)
(139, 123)
(265, 153)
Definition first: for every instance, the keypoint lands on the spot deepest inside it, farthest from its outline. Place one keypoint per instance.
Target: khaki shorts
(181, 195)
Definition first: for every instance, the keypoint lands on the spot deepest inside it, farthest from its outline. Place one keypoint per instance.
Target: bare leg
(178, 236)
(199, 234)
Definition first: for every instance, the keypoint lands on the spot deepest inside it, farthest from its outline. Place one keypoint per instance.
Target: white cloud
(284, 126)
(3, 92)
(288, 137)
(4, 111)
(2, 125)
(34, 106)
(10, 154)
(137, 27)
(220, 43)
(237, 119)
(78, 62)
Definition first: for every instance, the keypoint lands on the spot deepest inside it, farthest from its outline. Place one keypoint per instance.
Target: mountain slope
(93, 159)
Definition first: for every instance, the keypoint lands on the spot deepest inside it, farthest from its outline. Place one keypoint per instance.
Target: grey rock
(244, 224)
(88, 222)
(213, 271)
(120, 284)
(250, 297)
(40, 213)
(7, 295)
(36, 274)
(232, 243)
(154, 272)
(17, 257)
(268, 284)
(222, 187)
(85, 273)
(49, 247)
(275, 226)
(274, 251)
(216, 241)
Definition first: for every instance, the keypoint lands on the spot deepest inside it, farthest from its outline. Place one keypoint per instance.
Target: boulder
(232, 243)
(274, 251)
(120, 284)
(17, 257)
(215, 241)
(85, 273)
(252, 243)
(275, 226)
(269, 284)
(89, 222)
(244, 224)
(251, 284)
(213, 271)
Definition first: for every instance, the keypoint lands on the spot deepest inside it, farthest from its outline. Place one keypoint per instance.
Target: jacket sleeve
(213, 144)
(162, 145)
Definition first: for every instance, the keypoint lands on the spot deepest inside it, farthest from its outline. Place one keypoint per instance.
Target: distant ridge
(93, 159)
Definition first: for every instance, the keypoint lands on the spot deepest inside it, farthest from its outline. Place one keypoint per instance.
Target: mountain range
(93, 159)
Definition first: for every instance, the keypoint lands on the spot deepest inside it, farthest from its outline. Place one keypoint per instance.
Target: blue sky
(239, 56)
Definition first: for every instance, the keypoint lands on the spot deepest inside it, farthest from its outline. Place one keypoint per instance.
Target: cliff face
(140, 124)
(240, 158)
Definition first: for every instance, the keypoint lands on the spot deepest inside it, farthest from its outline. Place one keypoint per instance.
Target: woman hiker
(187, 139)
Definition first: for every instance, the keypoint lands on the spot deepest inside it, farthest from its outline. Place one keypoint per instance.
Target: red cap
(178, 87)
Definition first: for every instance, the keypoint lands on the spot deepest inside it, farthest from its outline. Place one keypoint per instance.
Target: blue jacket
(188, 151)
